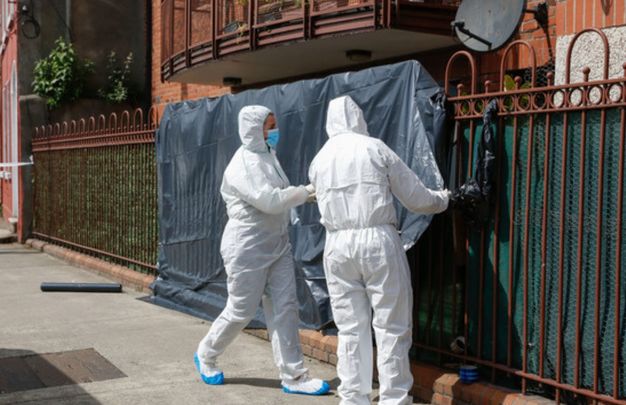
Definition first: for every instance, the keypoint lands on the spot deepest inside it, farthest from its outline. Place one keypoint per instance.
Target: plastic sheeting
(196, 139)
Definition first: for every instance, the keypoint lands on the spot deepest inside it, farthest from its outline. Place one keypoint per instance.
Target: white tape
(16, 164)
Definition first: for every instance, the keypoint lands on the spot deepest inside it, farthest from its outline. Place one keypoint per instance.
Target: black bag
(473, 199)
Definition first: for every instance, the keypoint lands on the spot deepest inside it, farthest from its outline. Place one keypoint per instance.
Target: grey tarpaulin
(196, 140)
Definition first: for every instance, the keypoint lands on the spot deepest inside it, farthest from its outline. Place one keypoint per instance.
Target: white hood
(344, 116)
(251, 120)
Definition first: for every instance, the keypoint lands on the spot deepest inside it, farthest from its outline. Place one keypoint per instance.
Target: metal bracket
(541, 14)
(460, 25)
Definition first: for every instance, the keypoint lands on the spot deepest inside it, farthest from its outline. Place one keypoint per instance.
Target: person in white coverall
(257, 255)
(355, 178)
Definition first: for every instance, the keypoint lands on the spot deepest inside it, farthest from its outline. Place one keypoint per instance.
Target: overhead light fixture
(358, 55)
(231, 81)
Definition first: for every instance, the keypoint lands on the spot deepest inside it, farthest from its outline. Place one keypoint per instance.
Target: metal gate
(538, 292)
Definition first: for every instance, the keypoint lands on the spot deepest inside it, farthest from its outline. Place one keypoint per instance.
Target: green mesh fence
(439, 287)
(101, 198)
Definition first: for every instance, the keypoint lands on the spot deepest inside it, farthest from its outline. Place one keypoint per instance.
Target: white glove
(311, 190)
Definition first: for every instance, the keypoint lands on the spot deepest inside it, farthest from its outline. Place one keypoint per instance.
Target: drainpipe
(68, 16)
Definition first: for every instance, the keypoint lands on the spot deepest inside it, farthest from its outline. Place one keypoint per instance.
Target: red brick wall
(564, 17)
(165, 92)
(581, 14)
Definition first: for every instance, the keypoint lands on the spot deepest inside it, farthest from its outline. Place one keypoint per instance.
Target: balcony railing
(192, 33)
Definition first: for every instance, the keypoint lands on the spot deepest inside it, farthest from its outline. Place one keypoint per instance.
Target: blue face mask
(273, 136)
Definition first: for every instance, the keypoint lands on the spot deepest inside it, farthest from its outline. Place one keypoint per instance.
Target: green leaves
(60, 77)
(118, 88)
(510, 85)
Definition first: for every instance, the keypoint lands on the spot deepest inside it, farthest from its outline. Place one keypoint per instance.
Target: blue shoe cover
(323, 390)
(217, 379)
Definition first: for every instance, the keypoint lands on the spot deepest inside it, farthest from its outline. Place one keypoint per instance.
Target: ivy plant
(60, 77)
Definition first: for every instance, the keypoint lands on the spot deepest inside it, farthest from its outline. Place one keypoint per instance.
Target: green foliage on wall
(60, 77)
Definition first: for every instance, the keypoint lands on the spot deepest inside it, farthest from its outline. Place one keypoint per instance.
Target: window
(6, 127)
(9, 10)
(5, 123)
(5, 119)
(14, 152)
(3, 33)
(7, 13)
(9, 125)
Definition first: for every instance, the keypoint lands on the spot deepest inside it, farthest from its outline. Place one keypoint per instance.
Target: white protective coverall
(256, 250)
(365, 264)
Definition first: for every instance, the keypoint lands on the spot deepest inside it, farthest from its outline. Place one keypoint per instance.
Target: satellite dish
(486, 25)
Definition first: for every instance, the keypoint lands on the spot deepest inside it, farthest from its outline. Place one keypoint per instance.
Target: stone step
(7, 236)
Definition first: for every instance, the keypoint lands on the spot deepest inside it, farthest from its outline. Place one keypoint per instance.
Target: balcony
(255, 41)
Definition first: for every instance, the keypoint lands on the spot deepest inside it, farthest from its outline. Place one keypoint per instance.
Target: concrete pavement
(153, 346)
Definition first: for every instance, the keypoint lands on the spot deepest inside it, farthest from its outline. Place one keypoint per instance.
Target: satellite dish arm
(460, 25)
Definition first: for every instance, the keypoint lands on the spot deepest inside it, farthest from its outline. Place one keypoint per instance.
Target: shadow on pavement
(270, 382)
(255, 382)
(54, 376)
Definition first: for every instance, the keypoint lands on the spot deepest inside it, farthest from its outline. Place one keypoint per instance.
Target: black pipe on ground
(81, 287)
